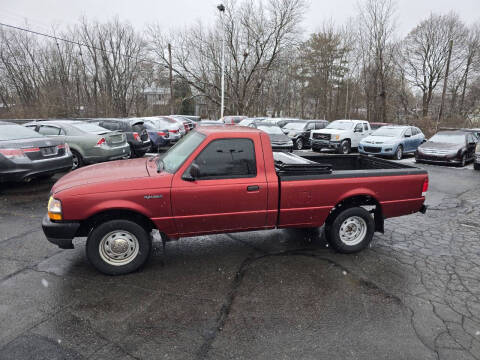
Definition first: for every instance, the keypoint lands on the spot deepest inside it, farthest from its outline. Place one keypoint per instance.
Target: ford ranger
(220, 180)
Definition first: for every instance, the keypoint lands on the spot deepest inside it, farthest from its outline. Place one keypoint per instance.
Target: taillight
(31, 149)
(12, 153)
(101, 142)
(161, 133)
(173, 131)
(425, 187)
(61, 146)
(136, 136)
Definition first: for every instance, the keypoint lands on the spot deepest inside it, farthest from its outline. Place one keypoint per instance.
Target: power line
(56, 38)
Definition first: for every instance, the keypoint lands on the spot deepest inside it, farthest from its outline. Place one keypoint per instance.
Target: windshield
(176, 155)
(389, 131)
(340, 125)
(270, 129)
(16, 132)
(89, 127)
(448, 138)
(294, 126)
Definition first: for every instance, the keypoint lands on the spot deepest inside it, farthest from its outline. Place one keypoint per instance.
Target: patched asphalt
(282, 294)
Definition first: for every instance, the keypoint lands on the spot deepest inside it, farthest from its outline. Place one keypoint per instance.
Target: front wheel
(399, 153)
(118, 247)
(299, 144)
(351, 230)
(345, 147)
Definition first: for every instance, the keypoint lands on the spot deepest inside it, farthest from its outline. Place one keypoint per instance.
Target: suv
(340, 135)
(299, 131)
(137, 135)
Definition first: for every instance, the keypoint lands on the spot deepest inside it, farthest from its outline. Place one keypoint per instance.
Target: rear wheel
(77, 160)
(118, 247)
(345, 147)
(351, 230)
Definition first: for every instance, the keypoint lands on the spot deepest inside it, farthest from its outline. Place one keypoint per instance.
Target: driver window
(359, 128)
(408, 132)
(227, 159)
(310, 126)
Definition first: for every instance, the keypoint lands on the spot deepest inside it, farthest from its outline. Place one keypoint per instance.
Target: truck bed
(293, 167)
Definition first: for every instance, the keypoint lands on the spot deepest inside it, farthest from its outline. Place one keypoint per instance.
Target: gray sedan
(88, 142)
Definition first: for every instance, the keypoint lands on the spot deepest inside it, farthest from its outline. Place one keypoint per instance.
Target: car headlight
(290, 143)
(54, 209)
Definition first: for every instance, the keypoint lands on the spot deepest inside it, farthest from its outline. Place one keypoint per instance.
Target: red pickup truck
(219, 180)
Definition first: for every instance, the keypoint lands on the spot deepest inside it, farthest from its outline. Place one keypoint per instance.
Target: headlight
(337, 137)
(290, 143)
(54, 209)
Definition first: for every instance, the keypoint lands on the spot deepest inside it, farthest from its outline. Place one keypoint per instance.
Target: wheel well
(359, 201)
(118, 214)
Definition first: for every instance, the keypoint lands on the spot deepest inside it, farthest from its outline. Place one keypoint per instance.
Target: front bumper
(386, 150)
(321, 144)
(20, 171)
(60, 233)
(438, 159)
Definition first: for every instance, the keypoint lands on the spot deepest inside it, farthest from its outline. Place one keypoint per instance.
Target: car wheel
(299, 144)
(399, 153)
(463, 161)
(133, 154)
(77, 160)
(476, 166)
(351, 230)
(118, 247)
(345, 147)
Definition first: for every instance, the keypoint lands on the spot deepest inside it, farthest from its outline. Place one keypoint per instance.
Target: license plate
(49, 151)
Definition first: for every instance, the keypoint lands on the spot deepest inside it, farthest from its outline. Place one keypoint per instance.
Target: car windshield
(340, 125)
(270, 129)
(17, 132)
(294, 126)
(176, 155)
(89, 127)
(389, 131)
(448, 138)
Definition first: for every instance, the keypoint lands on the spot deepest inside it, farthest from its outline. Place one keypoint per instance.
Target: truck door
(228, 192)
(358, 134)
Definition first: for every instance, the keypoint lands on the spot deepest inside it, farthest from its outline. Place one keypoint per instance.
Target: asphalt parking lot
(414, 294)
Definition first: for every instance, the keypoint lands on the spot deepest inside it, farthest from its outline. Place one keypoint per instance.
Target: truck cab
(340, 135)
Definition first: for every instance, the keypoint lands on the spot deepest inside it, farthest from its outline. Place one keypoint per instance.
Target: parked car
(449, 147)
(182, 123)
(476, 161)
(340, 135)
(299, 131)
(26, 154)
(158, 133)
(393, 141)
(88, 142)
(211, 123)
(377, 125)
(279, 141)
(136, 133)
(233, 119)
(193, 118)
(281, 122)
(117, 207)
(173, 126)
(185, 120)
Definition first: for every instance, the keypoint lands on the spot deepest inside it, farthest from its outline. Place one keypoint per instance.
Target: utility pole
(221, 8)
(440, 113)
(172, 100)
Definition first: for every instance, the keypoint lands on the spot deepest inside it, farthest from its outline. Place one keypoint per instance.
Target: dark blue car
(158, 134)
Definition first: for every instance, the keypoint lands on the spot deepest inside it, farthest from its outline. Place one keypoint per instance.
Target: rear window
(88, 127)
(17, 132)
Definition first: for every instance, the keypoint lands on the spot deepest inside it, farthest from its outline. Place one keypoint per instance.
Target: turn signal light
(136, 136)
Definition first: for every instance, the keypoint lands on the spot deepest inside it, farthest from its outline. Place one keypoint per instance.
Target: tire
(101, 252)
(77, 160)
(399, 153)
(133, 154)
(299, 144)
(464, 161)
(344, 147)
(341, 240)
(476, 166)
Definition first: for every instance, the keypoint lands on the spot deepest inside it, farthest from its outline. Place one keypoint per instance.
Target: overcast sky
(40, 14)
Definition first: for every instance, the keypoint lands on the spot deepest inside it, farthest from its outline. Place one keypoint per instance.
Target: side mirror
(193, 173)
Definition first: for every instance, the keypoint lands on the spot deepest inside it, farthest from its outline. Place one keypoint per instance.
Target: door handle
(253, 188)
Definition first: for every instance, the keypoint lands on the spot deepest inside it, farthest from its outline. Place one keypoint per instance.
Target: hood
(279, 138)
(380, 140)
(331, 131)
(440, 146)
(102, 173)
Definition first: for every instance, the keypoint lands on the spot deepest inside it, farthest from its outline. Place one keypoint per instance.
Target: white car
(340, 135)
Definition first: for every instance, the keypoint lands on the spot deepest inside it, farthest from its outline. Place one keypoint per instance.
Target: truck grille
(371, 149)
(321, 136)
